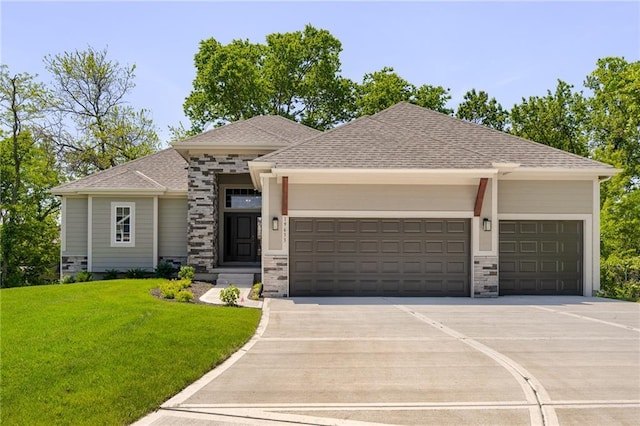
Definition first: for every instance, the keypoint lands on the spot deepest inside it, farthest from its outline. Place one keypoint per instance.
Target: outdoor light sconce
(486, 224)
(274, 223)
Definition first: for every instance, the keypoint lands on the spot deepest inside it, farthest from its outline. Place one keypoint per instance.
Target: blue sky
(509, 49)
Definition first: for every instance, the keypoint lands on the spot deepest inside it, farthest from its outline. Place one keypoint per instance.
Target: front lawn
(105, 352)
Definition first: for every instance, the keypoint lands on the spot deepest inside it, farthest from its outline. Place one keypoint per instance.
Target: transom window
(122, 224)
(242, 198)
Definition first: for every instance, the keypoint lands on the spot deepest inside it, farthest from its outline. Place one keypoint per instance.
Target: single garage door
(541, 257)
(379, 257)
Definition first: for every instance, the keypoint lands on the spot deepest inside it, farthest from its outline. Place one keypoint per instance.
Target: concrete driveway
(511, 360)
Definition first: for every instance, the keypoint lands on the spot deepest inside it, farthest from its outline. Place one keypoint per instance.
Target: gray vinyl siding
(172, 227)
(382, 197)
(122, 258)
(524, 196)
(76, 227)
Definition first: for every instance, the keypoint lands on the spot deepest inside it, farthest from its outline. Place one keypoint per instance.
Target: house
(407, 202)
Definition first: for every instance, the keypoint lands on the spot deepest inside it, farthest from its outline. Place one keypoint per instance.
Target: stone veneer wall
(275, 275)
(485, 276)
(202, 199)
(72, 264)
(176, 261)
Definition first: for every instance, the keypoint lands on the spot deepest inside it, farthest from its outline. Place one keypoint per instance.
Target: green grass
(105, 352)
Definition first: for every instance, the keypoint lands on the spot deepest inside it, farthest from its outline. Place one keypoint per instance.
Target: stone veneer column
(203, 210)
(485, 276)
(275, 275)
(72, 264)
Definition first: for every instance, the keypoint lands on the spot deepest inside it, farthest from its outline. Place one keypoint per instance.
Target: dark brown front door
(241, 237)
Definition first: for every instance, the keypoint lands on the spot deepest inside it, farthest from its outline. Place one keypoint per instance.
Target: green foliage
(106, 354)
(230, 295)
(84, 276)
(28, 169)
(479, 109)
(381, 89)
(172, 289)
(294, 74)
(620, 277)
(91, 93)
(557, 119)
(256, 291)
(135, 273)
(111, 274)
(67, 279)
(187, 272)
(164, 270)
(184, 296)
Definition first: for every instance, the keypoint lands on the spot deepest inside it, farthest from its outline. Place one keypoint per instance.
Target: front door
(241, 237)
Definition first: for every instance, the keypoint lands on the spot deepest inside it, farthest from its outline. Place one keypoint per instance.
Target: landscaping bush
(169, 290)
(256, 291)
(67, 279)
(136, 273)
(186, 272)
(620, 277)
(165, 270)
(230, 295)
(110, 274)
(84, 276)
(184, 296)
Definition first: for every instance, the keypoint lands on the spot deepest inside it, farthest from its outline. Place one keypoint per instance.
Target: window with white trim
(123, 217)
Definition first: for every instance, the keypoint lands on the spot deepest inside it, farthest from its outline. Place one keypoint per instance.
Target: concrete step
(239, 280)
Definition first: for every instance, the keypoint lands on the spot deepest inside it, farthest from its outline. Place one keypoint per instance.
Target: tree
(105, 131)
(295, 75)
(381, 89)
(557, 119)
(28, 169)
(479, 109)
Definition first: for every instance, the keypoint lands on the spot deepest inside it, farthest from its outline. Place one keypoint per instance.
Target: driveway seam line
(196, 386)
(570, 314)
(540, 396)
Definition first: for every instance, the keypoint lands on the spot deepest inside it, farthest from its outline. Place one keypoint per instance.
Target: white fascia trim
(89, 233)
(375, 214)
(63, 225)
(155, 232)
(549, 173)
(390, 172)
(588, 240)
(256, 169)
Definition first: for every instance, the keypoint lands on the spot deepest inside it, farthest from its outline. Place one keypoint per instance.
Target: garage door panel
(539, 257)
(303, 225)
(324, 226)
(420, 259)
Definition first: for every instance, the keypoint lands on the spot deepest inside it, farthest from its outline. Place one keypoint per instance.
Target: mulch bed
(198, 288)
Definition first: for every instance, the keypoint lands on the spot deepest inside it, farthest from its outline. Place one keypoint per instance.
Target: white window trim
(112, 238)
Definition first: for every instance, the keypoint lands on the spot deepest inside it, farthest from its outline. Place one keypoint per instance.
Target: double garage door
(379, 257)
(428, 257)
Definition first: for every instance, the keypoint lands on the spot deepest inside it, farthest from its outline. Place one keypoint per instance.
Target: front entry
(241, 232)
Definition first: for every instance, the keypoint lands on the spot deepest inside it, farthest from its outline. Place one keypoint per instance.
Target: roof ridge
(326, 132)
(267, 131)
(149, 179)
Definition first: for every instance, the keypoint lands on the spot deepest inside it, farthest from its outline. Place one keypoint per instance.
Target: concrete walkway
(213, 296)
(355, 361)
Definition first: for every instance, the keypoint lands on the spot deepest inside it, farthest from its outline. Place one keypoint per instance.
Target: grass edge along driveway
(106, 352)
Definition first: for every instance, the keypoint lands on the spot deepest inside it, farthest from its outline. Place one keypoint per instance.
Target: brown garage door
(541, 257)
(379, 257)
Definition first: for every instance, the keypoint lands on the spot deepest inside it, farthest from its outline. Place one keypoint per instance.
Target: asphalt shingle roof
(406, 136)
(164, 169)
(259, 130)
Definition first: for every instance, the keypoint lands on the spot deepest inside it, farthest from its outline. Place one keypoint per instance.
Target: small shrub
(165, 270)
(184, 296)
(256, 291)
(136, 273)
(67, 279)
(230, 295)
(620, 277)
(84, 276)
(186, 272)
(183, 283)
(169, 290)
(110, 274)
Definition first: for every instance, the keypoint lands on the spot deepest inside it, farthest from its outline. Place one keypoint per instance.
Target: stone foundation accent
(176, 261)
(202, 199)
(72, 264)
(275, 275)
(485, 276)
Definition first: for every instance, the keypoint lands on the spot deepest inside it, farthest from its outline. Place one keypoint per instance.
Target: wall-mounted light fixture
(486, 224)
(274, 223)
